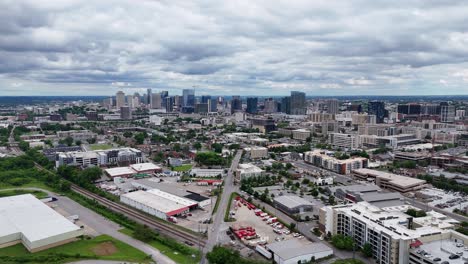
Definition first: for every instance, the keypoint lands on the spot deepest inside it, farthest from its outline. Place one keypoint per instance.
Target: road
(101, 225)
(218, 217)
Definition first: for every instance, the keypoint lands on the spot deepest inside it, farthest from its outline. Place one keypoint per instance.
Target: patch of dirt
(105, 249)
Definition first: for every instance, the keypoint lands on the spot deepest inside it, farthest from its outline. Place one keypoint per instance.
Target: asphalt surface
(218, 217)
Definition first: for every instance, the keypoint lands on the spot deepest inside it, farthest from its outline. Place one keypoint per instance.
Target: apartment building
(348, 141)
(122, 156)
(390, 231)
(322, 159)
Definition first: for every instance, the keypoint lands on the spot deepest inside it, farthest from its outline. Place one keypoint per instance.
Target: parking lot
(248, 218)
(447, 201)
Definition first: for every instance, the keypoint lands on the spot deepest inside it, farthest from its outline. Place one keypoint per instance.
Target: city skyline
(242, 48)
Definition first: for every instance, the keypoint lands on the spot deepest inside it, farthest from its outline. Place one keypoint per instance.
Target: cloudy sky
(234, 47)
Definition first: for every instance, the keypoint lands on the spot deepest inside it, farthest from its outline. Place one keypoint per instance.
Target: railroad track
(165, 229)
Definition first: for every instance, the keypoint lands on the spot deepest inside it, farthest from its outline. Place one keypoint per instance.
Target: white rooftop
(114, 172)
(30, 217)
(144, 166)
(159, 200)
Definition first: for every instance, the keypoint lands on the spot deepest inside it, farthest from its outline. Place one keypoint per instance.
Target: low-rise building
(292, 204)
(198, 172)
(301, 134)
(257, 152)
(390, 181)
(293, 251)
(25, 219)
(247, 171)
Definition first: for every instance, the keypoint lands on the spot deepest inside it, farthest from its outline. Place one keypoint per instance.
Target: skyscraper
(333, 106)
(377, 108)
(252, 105)
(119, 99)
(136, 100)
(298, 103)
(188, 100)
(285, 106)
(270, 105)
(156, 101)
(447, 112)
(236, 104)
(130, 100)
(212, 105)
(168, 103)
(205, 99)
(149, 98)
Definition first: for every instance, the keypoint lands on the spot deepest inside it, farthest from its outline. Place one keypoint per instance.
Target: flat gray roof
(288, 249)
(292, 201)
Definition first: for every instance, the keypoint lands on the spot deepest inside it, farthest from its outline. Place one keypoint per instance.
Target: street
(218, 217)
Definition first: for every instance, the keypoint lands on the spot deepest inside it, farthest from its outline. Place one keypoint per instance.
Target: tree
(78, 142)
(331, 200)
(314, 192)
(127, 134)
(222, 255)
(143, 233)
(343, 242)
(367, 250)
(197, 145)
(217, 147)
(305, 181)
(292, 226)
(68, 141)
(23, 145)
(140, 138)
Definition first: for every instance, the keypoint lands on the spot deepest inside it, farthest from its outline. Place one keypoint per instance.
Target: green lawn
(175, 256)
(38, 194)
(83, 249)
(185, 167)
(100, 146)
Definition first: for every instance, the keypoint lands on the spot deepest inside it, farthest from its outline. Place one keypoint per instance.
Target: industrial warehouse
(25, 219)
(158, 203)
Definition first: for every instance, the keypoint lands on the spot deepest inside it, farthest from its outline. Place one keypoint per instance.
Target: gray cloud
(234, 47)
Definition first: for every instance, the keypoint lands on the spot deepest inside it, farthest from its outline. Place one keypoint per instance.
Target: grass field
(185, 167)
(34, 183)
(100, 146)
(102, 247)
(38, 194)
(175, 256)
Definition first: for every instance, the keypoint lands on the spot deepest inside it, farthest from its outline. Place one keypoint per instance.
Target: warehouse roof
(292, 201)
(157, 202)
(395, 179)
(288, 249)
(29, 216)
(115, 172)
(145, 166)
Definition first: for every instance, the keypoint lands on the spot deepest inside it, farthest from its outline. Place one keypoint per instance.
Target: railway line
(165, 229)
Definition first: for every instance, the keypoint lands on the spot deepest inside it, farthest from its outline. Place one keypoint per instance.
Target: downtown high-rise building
(298, 103)
(205, 99)
(447, 112)
(236, 104)
(377, 108)
(333, 106)
(119, 99)
(156, 101)
(149, 96)
(212, 105)
(270, 106)
(252, 105)
(188, 100)
(168, 103)
(129, 100)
